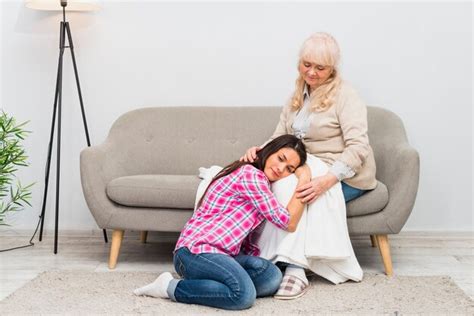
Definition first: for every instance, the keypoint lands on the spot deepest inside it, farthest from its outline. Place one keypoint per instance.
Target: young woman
(215, 253)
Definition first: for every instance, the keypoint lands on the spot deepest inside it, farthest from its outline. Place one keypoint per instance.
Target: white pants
(321, 241)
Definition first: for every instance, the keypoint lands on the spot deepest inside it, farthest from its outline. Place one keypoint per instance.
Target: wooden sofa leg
(143, 236)
(384, 248)
(373, 240)
(117, 237)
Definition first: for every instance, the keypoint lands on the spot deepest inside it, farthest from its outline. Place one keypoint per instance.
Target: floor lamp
(65, 31)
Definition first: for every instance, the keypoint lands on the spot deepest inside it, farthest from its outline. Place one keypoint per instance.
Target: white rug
(86, 293)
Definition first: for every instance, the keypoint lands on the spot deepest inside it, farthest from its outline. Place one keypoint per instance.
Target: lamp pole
(57, 108)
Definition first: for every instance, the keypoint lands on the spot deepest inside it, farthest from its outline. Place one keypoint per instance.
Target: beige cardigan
(339, 133)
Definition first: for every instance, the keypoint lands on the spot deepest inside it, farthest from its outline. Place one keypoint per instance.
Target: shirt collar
(305, 92)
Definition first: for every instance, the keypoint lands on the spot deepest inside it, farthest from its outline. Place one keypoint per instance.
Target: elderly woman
(331, 119)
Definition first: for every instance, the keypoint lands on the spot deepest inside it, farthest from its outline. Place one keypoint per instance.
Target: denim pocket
(181, 269)
(179, 266)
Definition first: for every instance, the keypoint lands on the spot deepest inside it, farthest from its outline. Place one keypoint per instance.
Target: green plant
(12, 155)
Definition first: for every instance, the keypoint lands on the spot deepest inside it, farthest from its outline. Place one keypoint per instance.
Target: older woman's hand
(310, 191)
(250, 155)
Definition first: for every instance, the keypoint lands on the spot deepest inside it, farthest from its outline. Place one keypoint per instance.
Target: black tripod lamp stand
(65, 31)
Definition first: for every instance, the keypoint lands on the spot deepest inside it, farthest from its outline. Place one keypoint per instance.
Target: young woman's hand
(310, 191)
(303, 172)
(250, 155)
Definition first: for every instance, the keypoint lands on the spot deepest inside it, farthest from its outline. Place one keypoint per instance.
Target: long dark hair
(283, 141)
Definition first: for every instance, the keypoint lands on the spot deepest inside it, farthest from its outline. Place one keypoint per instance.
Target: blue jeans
(351, 193)
(222, 281)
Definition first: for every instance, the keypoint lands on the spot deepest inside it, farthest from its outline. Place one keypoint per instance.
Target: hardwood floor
(413, 253)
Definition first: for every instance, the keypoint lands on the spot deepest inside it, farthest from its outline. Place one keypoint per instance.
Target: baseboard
(172, 236)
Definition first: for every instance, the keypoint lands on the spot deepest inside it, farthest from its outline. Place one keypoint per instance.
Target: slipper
(291, 287)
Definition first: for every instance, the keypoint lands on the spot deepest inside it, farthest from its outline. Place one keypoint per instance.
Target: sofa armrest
(95, 175)
(399, 170)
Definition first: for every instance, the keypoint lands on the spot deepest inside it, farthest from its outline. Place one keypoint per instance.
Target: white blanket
(321, 242)
(206, 174)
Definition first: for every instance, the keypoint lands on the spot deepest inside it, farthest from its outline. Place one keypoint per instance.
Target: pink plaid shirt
(233, 207)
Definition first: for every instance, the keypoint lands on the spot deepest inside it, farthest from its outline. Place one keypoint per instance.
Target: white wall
(414, 59)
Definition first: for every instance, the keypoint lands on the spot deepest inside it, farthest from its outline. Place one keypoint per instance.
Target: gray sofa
(144, 176)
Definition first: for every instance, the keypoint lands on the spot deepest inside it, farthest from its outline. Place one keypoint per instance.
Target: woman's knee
(265, 275)
(244, 298)
(253, 265)
(273, 278)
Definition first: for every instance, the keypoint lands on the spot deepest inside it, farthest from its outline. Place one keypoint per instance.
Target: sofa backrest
(179, 140)
(385, 130)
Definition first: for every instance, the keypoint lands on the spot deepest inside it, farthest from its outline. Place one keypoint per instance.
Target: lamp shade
(55, 5)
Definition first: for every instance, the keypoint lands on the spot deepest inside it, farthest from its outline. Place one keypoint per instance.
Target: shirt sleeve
(352, 116)
(341, 170)
(250, 243)
(256, 189)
